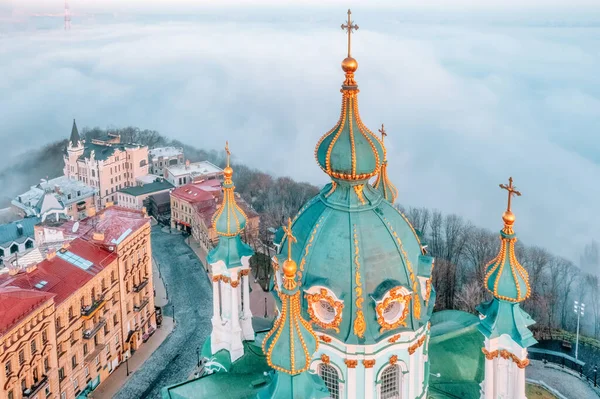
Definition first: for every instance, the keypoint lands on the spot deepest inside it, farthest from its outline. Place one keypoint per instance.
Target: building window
(75, 383)
(85, 349)
(87, 371)
(115, 320)
(46, 365)
(8, 368)
(33, 347)
(97, 360)
(330, 376)
(11, 395)
(21, 357)
(44, 336)
(71, 314)
(63, 395)
(74, 361)
(61, 373)
(390, 383)
(14, 248)
(47, 390)
(28, 244)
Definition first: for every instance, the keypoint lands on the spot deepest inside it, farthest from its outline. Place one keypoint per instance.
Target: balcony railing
(140, 286)
(139, 307)
(87, 334)
(35, 388)
(88, 311)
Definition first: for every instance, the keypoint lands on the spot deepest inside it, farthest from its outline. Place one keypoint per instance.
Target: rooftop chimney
(51, 254)
(98, 236)
(31, 268)
(19, 229)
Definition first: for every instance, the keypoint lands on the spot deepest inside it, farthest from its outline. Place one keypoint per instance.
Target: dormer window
(393, 308)
(324, 308)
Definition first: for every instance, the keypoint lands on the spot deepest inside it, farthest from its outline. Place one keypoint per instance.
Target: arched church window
(391, 386)
(331, 378)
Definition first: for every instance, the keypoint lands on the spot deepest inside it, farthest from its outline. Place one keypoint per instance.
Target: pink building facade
(105, 163)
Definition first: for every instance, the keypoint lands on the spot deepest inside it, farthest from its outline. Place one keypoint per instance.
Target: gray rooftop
(147, 188)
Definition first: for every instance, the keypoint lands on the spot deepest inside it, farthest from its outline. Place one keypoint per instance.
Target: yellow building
(100, 297)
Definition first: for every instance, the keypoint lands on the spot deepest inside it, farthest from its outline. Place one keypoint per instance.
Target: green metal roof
(455, 354)
(230, 250)
(103, 151)
(9, 232)
(244, 379)
(147, 188)
(503, 317)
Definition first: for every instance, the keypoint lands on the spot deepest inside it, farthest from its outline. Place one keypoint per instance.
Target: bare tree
(469, 296)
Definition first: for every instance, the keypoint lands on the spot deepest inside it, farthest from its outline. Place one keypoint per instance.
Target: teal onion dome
(350, 151)
(230, 219)
(289, 345)
(505, 278)
(385, 186)
(352, 254)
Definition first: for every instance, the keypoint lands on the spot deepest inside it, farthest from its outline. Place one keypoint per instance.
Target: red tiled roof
(113, 222)
(62, 277)
(16, 303)
(197, 192)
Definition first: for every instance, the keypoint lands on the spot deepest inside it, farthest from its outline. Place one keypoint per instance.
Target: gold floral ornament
(325, 300)
(413, 348)
(397, 303)
(504, 354)
(360, 326)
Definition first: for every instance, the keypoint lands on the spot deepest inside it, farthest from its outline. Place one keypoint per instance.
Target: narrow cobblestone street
(189, 292)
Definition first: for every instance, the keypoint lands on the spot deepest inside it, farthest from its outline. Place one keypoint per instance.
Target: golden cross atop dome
(383, 132)
(349, 27)
(227, 151)
(512, 190)
(290, 237)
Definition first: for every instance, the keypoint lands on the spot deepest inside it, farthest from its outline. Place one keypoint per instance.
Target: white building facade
(163, 157)
(179, 175)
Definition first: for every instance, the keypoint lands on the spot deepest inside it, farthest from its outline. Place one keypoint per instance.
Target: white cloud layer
(467, 103)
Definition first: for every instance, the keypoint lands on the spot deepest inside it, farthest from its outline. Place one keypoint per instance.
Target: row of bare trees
(462, 251)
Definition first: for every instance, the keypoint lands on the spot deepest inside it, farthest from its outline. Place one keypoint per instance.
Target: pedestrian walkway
(160, 292)
(108, 388)
(258, 306)
(561, 380)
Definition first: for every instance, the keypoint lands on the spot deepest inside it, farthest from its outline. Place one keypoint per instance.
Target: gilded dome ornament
(505, 277)
(383, 183)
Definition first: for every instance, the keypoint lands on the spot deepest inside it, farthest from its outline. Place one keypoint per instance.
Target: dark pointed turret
(75, 139)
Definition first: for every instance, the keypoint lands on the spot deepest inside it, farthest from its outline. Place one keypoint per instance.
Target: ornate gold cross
(383, 132)
(512, 190)
(290, 237)
(227, 151)
(349, 28)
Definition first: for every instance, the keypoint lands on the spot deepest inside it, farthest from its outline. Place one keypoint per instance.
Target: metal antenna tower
(67, 16)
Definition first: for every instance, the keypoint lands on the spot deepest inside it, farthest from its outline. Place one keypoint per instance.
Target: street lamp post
(578, 308)
(127, 363)
(198, 353)
(595, 375)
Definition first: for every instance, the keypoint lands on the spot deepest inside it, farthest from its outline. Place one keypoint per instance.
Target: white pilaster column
(369, 383)
(351, 383)
(235, 318)
(216, 301)
(247, 312)
(520, 383)
(226, 298)
(488, 381)
(412, 372)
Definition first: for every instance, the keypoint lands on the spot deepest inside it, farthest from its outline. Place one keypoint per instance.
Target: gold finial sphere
(289, 268)
(349, 65)
(228, 172)
(509, 218)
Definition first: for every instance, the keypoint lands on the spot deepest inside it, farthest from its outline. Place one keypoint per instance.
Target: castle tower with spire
(503, 323)
(75, 149)
(230, 264)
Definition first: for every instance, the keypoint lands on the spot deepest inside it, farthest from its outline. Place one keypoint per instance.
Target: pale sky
(468, 99)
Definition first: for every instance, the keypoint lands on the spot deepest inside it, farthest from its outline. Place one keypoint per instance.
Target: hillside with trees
(461, 249)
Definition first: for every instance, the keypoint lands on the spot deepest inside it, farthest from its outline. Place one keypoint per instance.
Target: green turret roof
(383, 183)
(290, 344)
(508, 282)
(230, 250)
(230, 219)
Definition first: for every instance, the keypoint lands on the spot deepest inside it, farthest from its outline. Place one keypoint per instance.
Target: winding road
(190, 291)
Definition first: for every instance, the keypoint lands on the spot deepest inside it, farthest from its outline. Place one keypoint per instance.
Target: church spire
(349, 151)
(383, 183)
(505, 278)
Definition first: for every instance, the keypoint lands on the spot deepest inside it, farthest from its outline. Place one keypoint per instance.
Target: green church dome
(356, 259)
(230, 219)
